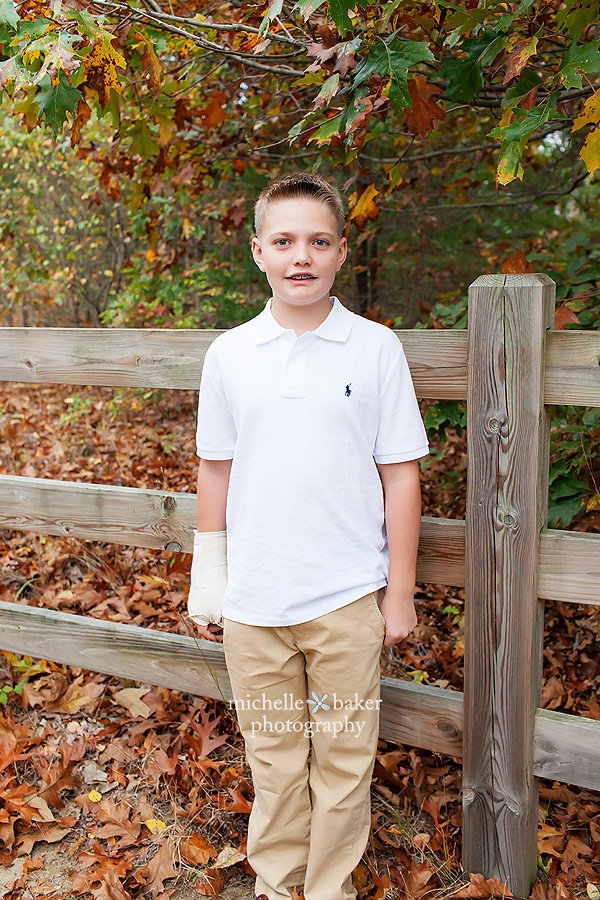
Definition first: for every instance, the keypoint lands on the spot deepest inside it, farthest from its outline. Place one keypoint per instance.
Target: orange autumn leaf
(213, 113)
(196, 850)
(523, 50)
(425, 111)
(517, 264)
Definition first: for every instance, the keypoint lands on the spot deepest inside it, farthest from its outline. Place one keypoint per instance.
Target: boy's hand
(400, 617)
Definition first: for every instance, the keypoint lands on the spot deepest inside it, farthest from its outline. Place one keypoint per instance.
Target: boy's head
(299, 242)
(300, 185)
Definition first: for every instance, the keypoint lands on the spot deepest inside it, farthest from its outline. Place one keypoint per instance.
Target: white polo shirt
(305, 420)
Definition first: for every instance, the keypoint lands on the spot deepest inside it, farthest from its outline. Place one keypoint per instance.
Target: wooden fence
(509, 367)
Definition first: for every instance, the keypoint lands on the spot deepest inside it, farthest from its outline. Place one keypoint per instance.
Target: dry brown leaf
(212, 883)
(228, 856)
(196, 850)
(517, 264)
(161, 867)
(131, 699)
(481, 887)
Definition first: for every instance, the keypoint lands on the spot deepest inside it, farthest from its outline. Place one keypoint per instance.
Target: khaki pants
(307, 700)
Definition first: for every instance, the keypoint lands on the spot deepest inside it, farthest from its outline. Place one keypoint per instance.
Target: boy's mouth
(304, 276)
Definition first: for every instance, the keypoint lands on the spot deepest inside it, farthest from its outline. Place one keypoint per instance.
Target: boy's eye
(281, 242)
(321, 242)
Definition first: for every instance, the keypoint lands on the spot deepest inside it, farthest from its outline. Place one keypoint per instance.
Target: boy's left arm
(402, 494)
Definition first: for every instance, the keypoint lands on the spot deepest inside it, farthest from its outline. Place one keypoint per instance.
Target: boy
(298, 408)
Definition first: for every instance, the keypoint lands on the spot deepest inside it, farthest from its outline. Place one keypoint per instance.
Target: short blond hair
(300, 184)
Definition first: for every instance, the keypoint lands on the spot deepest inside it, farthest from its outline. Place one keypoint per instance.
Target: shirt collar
(336, 327)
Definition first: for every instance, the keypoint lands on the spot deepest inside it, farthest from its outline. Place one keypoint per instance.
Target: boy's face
(299, 250)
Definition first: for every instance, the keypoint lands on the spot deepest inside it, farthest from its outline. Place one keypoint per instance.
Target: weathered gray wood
(566, 747)
(97, 512)
(507, 477)
(117, 357)
(422, 716)
(172, 358)
(569, 567)
(127, 651)
(573, 368)
(166, 520)
(441, 558)
(569, 562)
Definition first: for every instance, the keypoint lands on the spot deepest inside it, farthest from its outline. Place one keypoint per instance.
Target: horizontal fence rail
(569, 562)
(566, 747)
(172, 358)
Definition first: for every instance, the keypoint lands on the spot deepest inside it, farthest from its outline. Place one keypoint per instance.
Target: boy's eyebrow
(291, 233)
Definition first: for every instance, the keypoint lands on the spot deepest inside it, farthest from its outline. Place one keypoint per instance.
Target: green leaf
(8, 14)
(578, 59)
(143, 140)
(324, 134)
(274, 10)
(465, 75)
(338, 10)
(393, 58)
(57, 102)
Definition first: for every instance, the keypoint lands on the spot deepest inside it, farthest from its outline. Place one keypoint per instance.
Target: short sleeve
(216, 432)
(401, 435)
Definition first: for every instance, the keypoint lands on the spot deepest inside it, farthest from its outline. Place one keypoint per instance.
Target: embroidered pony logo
(348, 391)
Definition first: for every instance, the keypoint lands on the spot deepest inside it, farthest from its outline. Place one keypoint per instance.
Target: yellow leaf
(593, 502)
(364, 207)
(155, 825)
(95, 796)
(151, 255)
(589, 114)
(187, 228)
(590, 152)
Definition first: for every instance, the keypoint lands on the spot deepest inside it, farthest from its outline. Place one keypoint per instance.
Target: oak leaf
(212, 883)
(213, 113)
(161, 867)
(425, 111)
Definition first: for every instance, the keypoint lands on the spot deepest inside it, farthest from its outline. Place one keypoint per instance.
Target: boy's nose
(302, 257)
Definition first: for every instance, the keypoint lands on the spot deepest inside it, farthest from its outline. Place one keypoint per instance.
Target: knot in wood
(513, 805)
(509, 520)
(494, 425)
(169, 506)
(173, 547)
(468, 796)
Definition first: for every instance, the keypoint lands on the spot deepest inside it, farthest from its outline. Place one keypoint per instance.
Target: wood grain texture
(569, 567)
(569, 562)
(507, 478)
(573, 368)
(566, 747)
(172, 358)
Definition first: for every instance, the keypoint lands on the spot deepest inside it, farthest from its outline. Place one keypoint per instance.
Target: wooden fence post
(507, 430)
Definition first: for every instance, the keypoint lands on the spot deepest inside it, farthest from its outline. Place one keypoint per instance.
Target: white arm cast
(208, 577)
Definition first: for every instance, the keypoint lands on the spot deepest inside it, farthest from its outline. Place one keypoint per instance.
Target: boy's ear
(342, 253)
(257, 254)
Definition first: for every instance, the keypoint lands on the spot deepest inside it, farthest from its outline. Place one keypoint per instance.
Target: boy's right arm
(209, 566)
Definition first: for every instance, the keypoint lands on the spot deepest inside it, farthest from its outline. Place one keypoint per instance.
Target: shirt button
(292, 362)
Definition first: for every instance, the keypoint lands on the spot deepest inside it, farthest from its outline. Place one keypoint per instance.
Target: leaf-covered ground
(115, 790)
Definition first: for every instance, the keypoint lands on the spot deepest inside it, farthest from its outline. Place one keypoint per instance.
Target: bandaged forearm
(208, 577)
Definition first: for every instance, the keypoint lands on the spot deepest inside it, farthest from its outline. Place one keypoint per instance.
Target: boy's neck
(300, 318)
